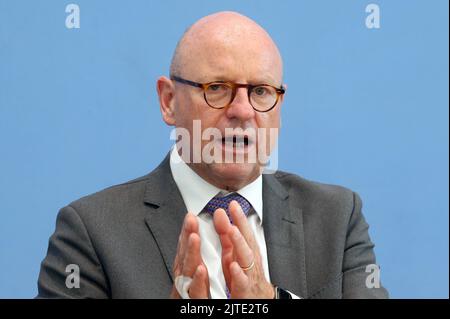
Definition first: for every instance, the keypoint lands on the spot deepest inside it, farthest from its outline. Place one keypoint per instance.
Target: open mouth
(236, 141)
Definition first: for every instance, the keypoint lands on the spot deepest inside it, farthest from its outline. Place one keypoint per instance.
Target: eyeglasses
(220, 94)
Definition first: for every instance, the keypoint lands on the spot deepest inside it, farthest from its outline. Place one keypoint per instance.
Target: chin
(234, 175)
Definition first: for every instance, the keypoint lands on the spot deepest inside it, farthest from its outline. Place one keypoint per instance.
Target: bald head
(225, 43)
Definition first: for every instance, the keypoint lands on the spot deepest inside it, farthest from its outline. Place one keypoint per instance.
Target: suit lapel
(167, 211)
(283, 231)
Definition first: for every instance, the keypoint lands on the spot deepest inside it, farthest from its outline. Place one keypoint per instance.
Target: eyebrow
(224, 78)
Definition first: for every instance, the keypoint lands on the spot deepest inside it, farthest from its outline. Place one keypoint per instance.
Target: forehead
(249, 57)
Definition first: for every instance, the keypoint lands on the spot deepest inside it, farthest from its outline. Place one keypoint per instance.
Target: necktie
(224, 202)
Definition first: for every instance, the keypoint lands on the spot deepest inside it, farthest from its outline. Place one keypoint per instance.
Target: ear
(166, 94)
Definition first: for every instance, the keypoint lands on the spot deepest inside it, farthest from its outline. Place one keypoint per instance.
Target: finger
(227, 257)
(221, 222)
(190, 225)
(240, 220)
(244, 254)
(223, 227)
(192, 257)
(239, 282)
(199, 288)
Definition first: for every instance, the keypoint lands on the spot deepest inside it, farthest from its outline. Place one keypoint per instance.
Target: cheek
(268, 120)
(195, 108)
(185, 110)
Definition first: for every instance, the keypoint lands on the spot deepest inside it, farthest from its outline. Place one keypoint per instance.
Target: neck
(230, 184)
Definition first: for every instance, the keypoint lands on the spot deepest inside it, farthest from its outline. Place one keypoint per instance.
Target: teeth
(237, 142)
(233, 139)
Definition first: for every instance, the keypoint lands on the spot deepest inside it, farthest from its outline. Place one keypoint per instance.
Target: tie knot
(224, 202)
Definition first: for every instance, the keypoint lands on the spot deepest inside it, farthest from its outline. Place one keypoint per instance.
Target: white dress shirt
(196, 193)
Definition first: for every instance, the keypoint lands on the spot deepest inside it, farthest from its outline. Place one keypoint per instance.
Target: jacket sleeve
(359, 264)
(70, 248)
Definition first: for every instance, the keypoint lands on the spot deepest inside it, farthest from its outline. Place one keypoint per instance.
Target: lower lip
(228, 147)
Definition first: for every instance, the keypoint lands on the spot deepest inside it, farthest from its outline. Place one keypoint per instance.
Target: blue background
(365, 108)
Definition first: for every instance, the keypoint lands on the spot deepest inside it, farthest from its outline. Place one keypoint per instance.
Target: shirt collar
(196, 192)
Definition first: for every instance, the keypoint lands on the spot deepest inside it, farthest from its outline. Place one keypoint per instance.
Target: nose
(240, 108)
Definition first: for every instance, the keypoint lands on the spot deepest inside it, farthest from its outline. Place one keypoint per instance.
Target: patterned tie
(223, 202)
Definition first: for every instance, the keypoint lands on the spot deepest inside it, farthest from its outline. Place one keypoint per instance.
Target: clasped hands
(241, 259)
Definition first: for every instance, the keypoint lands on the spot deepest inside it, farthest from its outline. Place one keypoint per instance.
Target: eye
(260, 90)
(217, 87)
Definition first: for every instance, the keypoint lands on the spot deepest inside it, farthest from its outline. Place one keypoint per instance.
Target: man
(215, 229)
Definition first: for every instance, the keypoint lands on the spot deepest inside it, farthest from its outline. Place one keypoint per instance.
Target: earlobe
(165, 89)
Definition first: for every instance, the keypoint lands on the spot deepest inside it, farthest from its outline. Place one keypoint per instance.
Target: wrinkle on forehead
(227, 43)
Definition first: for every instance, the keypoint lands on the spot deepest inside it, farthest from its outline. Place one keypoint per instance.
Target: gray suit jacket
(124, 240)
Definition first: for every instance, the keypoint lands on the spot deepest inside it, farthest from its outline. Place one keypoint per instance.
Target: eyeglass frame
(234, 86)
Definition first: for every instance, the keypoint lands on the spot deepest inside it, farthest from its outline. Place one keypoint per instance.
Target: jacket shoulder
(120, 197)
(317, 194)
(291, 180)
